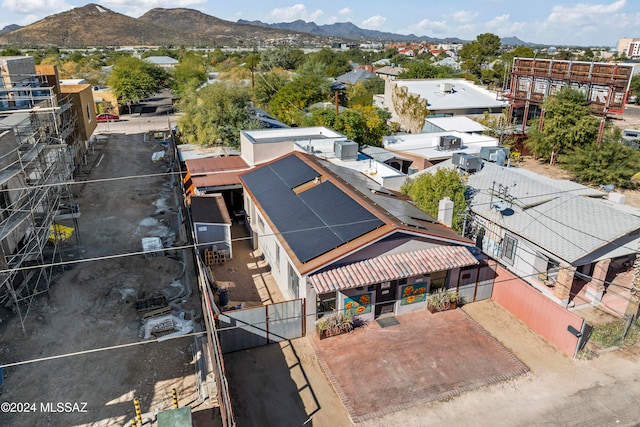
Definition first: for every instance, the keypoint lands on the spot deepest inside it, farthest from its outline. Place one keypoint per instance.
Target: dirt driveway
(91, 304)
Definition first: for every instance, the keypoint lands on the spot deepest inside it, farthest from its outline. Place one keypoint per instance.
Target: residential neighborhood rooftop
(454, 123)
(574, 222)
(463, 95)
(426, 144)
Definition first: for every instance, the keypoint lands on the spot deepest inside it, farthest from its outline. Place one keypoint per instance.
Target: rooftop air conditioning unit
(466, 162)
(446, 87)
(346, 150)
(489, 153)
(449, 142)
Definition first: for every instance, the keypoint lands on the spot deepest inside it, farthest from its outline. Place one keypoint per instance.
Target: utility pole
(634, 298)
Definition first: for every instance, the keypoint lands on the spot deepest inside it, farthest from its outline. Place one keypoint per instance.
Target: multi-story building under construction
(44, 133)
(605, 85)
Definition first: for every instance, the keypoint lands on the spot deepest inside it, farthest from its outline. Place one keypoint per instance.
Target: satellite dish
(607, 188)
(501, 206)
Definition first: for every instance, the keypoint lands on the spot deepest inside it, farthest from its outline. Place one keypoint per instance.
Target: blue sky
(554, 22)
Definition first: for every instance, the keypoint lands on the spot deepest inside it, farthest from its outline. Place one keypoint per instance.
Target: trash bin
(223, 296)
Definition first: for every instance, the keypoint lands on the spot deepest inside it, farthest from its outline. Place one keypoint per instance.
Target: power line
(96, 350)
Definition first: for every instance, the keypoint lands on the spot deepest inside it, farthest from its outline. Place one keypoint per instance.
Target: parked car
(106, 117)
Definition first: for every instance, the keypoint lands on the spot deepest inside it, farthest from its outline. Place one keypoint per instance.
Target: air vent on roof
(466, 162)
(345, 150)
(449, 142)
(446, 87)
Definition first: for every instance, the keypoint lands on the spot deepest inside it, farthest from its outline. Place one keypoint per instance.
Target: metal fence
(258, 326)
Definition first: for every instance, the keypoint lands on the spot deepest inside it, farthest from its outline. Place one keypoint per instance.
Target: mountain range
(95, 25)
(349, 31)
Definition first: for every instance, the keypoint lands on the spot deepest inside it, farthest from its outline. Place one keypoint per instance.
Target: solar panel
(293, 171)
(344, 216)
(315, 221)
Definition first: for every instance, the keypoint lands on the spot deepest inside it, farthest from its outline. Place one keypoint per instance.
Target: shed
(212, 224)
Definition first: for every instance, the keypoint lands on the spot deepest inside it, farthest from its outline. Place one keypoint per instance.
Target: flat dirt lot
(92, 303)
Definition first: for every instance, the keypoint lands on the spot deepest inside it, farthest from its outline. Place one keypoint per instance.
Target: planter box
(326, 334)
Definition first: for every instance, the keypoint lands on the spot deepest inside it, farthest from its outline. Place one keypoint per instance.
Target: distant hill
(9, 28)
(514, 41)
(95, 25)
(347, 30)
(205, 28)
(90, 25)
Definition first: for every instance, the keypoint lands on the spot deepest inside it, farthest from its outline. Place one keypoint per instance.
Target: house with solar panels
(341, 241)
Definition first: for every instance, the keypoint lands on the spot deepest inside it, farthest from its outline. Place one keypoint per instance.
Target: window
(326, 304)
(260, 224)
(294, 282)
(277, 256)
(509, 245)
(438, 280)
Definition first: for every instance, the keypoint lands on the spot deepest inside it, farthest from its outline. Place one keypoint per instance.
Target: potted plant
(438, 300)
(333, 324)
(442, 299)
(453, 299)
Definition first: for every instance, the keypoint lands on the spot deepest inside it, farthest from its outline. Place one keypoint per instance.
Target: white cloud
(586, 24)
(374, 23)
(428, 28)
(345, 11)
(502, 26)
(295, 12)
(41, 7)
(579, 13)
(464, 16)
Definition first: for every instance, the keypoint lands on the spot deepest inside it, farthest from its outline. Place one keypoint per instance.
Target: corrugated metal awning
(392, 267)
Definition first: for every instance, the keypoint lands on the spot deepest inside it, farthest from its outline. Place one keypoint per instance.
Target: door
(385, 297)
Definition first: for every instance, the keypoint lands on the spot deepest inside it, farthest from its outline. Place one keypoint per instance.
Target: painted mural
(410, 294)
(357, 304)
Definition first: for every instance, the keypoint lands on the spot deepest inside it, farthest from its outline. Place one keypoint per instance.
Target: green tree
(306, 88)
(634, 86)
(161, 51)
(285, 58)
(133, 79)
(607, 163)
(587, 55)
(567, 124)
(425, 70)
(267, 85)
(190, 72)
(365, 125)
(358, 94)
(427, 190)
(361, 94)
(215, 115)
(10, 51)
(564, 55)
(335, 64)
(478, 54)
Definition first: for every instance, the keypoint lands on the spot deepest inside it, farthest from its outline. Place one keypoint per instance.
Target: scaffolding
(37, 126)
(606, 86)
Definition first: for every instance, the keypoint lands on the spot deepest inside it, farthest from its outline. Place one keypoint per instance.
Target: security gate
(258, 326)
